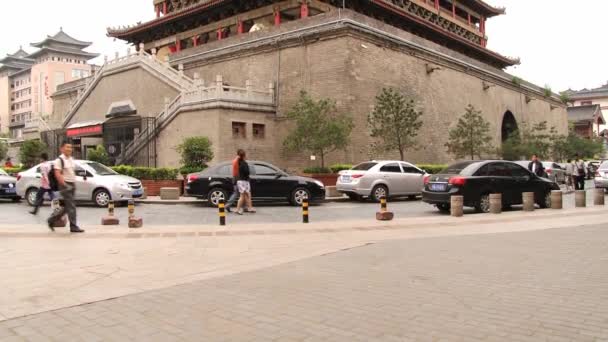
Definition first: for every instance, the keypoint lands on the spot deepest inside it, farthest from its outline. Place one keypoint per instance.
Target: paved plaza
(512, 277)
(547, 285)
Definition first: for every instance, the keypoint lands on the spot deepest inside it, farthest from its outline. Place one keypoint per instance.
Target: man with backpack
(45, 184)
(63, 171)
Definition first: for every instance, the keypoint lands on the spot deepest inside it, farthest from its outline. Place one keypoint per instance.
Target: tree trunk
(322, 159)
(402, 153)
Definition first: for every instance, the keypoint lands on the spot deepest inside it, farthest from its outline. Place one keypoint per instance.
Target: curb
(197, 201)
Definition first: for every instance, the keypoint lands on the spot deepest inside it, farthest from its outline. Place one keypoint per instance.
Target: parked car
(592, 167)
(476, 180)
(8, 187)
(268, 183)
(601, 176)
(94, 182)
(377, 179)
(554, 171)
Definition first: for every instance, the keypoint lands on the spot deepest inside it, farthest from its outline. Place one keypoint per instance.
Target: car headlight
(124, 185)
(11, 185)
(320, 184)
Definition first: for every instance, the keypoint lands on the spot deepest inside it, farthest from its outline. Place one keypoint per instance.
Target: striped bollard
(221, 206)
(305, 211)
(384, 214)
(134, 222)
(110, 220)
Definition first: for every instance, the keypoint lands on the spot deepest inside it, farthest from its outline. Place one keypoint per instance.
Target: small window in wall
(238, 130)
(259, 131)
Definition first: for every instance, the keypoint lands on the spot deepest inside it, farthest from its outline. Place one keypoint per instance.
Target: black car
(268, 183)
(476, 180)
(8, 187)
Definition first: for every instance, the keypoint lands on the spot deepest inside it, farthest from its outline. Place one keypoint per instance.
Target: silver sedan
(94, 182)
(601, 176)
(377, 179)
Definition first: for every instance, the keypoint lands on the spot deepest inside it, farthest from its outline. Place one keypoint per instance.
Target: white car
(377, 179)
(94, 182)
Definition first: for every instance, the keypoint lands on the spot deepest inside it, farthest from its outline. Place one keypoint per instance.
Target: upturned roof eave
(89, 55)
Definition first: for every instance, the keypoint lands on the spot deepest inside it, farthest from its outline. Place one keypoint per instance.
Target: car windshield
(604, 165)
(364, 166)
(3, 173)
(457, 168)
(101, 169)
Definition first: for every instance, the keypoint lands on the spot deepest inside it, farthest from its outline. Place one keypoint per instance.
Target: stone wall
(352, 68)
(216, 124)
(147, 93)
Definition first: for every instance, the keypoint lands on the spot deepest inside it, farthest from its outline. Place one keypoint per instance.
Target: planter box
(153, 186)
(328, 179)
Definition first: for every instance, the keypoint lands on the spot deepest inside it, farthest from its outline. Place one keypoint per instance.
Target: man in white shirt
(66, 179)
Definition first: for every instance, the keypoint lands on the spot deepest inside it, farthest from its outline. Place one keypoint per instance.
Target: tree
(471, 136)
(394, 122)
(99, 155)
(196, 152)
(30, 152)
(3, 150)
(319, 128)
(572, 145)
(530, 139)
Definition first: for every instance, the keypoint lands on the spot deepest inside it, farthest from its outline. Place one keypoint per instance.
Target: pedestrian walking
(235, 174)
(45, 186)
(579, 172)
(244, 186)
(63, 170)
(536, 167)
(569, 176)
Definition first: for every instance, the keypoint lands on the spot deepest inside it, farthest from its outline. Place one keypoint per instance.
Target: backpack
(53, 183)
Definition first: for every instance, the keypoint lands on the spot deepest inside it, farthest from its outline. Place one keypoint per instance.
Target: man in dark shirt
(536, 166)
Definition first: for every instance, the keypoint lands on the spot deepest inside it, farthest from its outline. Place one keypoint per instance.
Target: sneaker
(240, 211)
(252, 211)
(50, 225)
(228, 210)
(33, 212)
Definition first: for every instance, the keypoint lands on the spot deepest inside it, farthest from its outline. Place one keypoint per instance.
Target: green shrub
(432, 168)
(186, 170)
(30, 151)
(196, 152)
(98, 154)
(317, 169)
(340, 167)
(13, 170)
(148, 173)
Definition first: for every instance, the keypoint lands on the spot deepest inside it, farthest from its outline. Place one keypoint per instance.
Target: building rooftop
(62, 38)
(16, 61)
(601, 91)
(586, 113)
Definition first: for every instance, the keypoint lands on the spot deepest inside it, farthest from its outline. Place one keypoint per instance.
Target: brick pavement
(549, 285)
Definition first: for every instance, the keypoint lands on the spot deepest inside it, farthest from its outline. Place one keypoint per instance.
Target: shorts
(243, 186)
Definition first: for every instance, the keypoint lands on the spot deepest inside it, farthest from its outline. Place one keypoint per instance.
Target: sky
(560, 44)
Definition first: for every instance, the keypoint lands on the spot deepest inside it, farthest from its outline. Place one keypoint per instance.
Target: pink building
(27, 82)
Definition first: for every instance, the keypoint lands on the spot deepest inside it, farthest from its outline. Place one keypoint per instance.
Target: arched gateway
(509, 125)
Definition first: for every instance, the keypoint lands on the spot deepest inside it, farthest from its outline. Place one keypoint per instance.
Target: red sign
(83, 131)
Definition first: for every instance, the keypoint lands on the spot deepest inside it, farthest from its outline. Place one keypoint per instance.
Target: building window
(259, 131)
(586, 103)
(238, 130)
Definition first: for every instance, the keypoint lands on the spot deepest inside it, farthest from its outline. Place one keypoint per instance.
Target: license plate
(346, 179)
(437, 187)
(138, 192)
(10, 190)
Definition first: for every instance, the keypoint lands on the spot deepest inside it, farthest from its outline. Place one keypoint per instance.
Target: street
(545, 285)
(200, 214)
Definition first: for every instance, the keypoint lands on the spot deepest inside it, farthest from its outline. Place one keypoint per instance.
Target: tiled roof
(72, 51)
(62, 37)
(586, 93)
(585, 113)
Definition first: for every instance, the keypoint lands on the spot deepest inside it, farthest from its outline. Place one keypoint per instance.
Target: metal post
(131, 208)
(222, 211)
(383, 206)
(305, 211)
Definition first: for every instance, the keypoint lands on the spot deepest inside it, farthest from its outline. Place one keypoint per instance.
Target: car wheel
(483, 206)
(30, 196)
(298, 196)
(378, 192)
(444, 207)
(216, 195)
(102, 198)
(545, 202)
